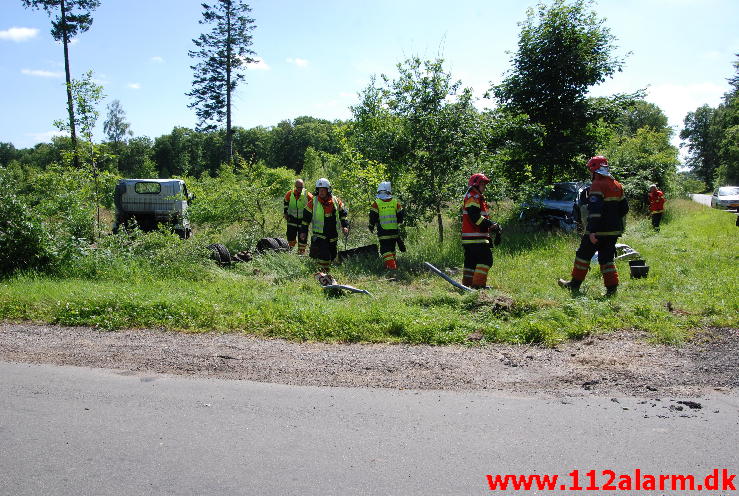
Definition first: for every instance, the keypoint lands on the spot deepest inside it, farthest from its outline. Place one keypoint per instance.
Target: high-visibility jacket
(607, 207)
(294, 205)
(656, 202)
(387, 215)
(327, 217)
(475, 222)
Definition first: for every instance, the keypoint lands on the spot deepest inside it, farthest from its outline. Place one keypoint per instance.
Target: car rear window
(148, 188)
(728, 191)
(562, 194)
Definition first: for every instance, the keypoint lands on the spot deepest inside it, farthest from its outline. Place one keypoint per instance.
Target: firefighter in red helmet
(477, 229)
(607, 207)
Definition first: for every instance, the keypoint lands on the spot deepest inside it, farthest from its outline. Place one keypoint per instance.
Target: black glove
(371, 228)
(497, 239)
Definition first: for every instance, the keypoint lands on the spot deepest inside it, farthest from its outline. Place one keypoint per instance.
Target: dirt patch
(609, 364)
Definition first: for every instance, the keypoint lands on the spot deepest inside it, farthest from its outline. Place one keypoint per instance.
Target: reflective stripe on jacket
(607, 207)
(475, 221)
(323, 216)
(387, 215)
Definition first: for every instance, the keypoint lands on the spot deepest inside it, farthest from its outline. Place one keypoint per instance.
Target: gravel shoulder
(622, 363)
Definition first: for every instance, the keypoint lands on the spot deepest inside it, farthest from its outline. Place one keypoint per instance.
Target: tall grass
(157, 280)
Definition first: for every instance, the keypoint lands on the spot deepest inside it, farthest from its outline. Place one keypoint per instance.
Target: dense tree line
(419, 128)
(712, 136)
(186, 151)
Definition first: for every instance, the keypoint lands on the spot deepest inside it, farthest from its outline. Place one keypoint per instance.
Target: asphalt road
(77, 431)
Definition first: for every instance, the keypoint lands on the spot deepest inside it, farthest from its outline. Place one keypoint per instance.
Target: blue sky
(316, 55)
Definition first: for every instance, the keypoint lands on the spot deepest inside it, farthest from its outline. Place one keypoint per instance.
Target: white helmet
(384, 191)
(323, 183)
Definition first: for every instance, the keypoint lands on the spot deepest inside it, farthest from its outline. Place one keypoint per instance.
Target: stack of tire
(222, 256)
(272, 244)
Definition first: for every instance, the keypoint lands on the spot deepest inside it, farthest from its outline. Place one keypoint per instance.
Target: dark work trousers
(323, 251)
(606, 248)
(292, 233)
(478, 258)
(656, 219)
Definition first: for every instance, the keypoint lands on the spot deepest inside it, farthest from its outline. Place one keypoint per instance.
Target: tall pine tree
(224, 54)
(72, 17)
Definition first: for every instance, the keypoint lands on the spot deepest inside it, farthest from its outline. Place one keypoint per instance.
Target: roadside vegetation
(418, 128)
(156, 280)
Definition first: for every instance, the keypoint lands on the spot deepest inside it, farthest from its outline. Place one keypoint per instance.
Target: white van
(151, 202)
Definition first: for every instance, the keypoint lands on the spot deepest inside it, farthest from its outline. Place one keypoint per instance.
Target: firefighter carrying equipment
(607, 207)
(328, 217)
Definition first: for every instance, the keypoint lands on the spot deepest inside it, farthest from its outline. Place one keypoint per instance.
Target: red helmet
(597, 162)
(477, 179)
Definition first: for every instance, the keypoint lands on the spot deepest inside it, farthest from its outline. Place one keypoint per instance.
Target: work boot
(573, 285)
(611, 291)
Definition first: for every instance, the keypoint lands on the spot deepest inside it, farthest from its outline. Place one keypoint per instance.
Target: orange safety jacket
(475, 223)
(656, 202)
(607, 207)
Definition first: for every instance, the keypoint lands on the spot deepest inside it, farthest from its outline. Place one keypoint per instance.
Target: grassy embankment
(158, 282)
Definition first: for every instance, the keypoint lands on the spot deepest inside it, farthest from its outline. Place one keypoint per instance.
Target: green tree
(135, 158)
(641, 159)
(440, 127)
(115, 126)
(703, 136)
(563, 49)
(224, 54)
(7, 153)
(72, 17)
(642, 114)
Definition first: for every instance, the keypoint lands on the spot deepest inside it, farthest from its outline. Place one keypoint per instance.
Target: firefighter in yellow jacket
(477, 229)
(328, 215)
(294, 206)
(387, 214)
(607, 207)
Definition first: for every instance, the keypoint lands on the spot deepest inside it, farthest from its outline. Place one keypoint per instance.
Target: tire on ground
(267, 244)
(283, 243)
(220, 253)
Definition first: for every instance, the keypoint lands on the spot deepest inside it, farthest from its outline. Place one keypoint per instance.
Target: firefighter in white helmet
(328, 215)
(387, 214)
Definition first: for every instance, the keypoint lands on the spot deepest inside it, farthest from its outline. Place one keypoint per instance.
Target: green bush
(23, 240)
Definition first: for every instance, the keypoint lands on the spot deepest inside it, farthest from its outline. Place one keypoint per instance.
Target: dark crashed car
(559, 205)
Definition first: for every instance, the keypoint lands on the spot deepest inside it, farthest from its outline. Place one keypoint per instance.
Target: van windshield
(728, 191)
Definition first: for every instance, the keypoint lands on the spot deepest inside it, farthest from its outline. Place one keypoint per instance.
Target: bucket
(639, 268)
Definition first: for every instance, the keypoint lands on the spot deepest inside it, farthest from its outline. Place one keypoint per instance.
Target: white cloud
(258, 65)
(676, 100)
(47, 136)
(134, 86)
(297, 61)
(18, 34)
(41, 73)
(157, 60)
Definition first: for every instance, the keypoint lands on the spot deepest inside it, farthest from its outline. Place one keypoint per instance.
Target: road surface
(78, 431)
